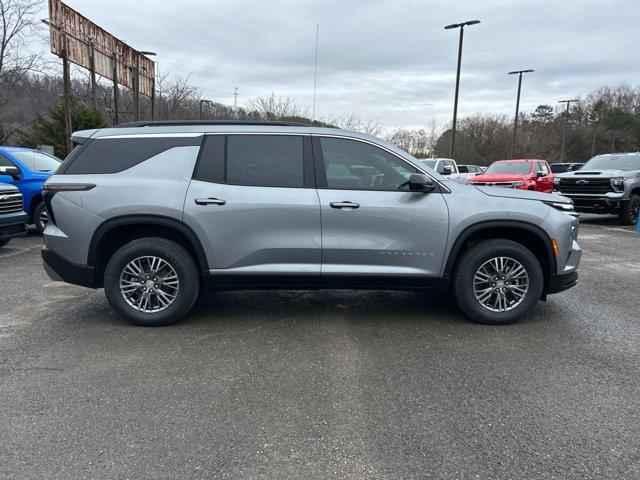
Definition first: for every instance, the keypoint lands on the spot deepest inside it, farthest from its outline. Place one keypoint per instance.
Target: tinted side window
(440, 169)
(265, 160)
(5, 162)
(543, 167)
(465, 169)
(211, 163)
(113, 155)
(356, 165)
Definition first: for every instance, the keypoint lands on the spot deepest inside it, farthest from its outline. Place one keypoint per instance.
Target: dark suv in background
(606, 184)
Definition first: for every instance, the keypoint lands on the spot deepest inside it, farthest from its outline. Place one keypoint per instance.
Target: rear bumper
(562, 281)
(60, 269)
(14, 225)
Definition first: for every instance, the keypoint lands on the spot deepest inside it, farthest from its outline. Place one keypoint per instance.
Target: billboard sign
(86, 41)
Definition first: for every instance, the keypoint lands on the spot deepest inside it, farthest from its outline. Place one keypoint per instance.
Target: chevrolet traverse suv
(157, 212)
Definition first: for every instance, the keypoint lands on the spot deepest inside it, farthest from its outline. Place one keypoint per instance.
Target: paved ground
(323, 384)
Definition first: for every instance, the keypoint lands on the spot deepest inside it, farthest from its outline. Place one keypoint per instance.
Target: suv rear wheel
(497, 281)
(40, 217)
(631, 211)
(152, 282)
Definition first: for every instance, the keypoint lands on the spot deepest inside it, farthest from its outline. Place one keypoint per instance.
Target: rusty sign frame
(90, 46)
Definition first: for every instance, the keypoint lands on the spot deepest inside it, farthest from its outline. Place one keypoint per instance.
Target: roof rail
(178, 123)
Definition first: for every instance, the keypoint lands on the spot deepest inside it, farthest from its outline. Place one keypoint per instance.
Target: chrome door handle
(344, 205)
(210, 201)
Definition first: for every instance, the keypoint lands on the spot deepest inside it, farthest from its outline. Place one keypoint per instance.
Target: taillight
(50, 189)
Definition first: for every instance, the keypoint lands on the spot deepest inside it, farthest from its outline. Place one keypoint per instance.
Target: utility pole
(455, 100)
(315, 74)
(92, 70)
(66, 81)
(564, 129)
(515, 122)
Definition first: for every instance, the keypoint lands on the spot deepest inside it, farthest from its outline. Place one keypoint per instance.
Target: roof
(18, 149)
(520, 160)
(178, 123)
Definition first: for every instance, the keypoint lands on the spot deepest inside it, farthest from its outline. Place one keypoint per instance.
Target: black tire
(37, 217)
(474, 258)
(4, 241)
(179, 259)
(631, 211)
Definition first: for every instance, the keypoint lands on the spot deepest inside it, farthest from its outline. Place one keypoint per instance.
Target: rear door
(254, 205)
(372, 225)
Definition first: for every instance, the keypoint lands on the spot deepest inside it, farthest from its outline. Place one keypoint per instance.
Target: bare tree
(274, 108)
(418, 142)
(17, 23)
(353, 122)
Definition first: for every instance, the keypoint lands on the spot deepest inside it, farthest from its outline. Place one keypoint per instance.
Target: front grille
(10, 202)
(587, 186)
(12, 230)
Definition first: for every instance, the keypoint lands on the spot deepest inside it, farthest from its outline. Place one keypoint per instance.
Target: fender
(485, 225)
(157, 220)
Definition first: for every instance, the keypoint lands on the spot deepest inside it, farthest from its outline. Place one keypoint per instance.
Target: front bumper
(14, 225)
(611, 202)
(562, 281)
(62, 270)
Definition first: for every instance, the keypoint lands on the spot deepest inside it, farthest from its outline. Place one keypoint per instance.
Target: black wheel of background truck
(152, 282)
(4, 241)
(40, 217)
(497, 281)
(631, 211)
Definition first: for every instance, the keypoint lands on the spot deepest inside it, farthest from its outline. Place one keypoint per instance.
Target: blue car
(28, 169)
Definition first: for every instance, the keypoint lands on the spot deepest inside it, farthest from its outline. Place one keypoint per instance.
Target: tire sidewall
(36, 217)
(177, 257)
(626, 217)
(477, 257)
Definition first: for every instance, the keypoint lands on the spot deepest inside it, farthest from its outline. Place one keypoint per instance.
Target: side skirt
(222, 282)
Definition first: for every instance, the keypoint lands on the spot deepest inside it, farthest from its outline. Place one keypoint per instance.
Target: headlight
(565, 207)
(556, 181)
(618, 182)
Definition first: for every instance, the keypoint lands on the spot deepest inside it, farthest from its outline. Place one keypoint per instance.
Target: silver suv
(158, 212)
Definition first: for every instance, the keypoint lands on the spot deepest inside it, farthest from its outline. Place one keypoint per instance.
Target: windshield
(37, 160)
(521, 168)
(613, 162)
(429, 163)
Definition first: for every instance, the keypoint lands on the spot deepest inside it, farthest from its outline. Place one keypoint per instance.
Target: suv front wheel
(497, 281)
(152, 282)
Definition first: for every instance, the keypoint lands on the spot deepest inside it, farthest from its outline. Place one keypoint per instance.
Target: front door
(372, 225)
(253, 203)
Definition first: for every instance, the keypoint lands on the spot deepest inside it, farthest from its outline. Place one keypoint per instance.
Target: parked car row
(23, 171)
(606, 184)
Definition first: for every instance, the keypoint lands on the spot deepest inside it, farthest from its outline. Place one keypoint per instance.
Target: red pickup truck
(529, 174)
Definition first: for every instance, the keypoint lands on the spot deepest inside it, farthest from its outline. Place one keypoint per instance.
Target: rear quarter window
(113, 155)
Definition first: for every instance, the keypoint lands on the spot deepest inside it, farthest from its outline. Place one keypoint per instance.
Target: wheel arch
(525, 233)
(116, 232)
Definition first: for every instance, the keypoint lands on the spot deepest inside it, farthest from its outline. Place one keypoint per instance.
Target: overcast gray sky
(390, 60)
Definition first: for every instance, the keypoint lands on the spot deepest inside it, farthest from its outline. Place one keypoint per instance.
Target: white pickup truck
(449, 167)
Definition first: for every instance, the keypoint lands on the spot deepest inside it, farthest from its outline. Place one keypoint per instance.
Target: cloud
(390, 60)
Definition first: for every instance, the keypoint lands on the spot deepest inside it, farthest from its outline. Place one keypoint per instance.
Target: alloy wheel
(500, 284)
(149, 284)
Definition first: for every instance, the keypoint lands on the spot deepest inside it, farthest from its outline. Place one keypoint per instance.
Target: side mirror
(421, 183)
(447, 170)
(539, 174)
(12, 171)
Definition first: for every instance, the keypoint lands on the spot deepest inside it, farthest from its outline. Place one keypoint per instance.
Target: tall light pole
(315, 74)
(455, 100)
(202, 102)
(515, 122)
(564, 129)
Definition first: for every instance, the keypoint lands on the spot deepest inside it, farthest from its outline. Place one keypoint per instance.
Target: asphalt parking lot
(323, 384)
